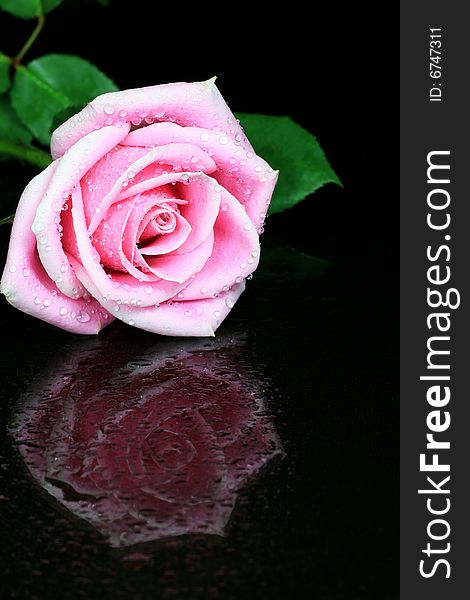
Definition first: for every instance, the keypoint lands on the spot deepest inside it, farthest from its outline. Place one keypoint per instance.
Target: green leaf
(288, 147)
(52, 83)
(7, 220)
(28, 9)
(15, 139)
(11, 128)
(23, 152)
(4, 73)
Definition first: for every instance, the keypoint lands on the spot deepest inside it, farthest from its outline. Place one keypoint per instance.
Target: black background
(329, 526)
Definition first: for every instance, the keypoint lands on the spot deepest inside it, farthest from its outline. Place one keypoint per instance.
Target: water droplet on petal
(148, 289)
(12, 269)
(229, 302)
(62, 311)
(248, 227)
(83, 317)
(37, 300)
(204, 137)
(46, 302)
(108, 109)
(25, 272)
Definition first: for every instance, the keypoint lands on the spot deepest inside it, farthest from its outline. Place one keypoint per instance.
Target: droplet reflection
(146, 443)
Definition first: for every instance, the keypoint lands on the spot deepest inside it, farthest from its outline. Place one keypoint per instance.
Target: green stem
(34, 156)
(30, 41)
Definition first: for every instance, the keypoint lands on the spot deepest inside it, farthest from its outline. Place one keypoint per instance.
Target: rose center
(169, 450)
(162, 221)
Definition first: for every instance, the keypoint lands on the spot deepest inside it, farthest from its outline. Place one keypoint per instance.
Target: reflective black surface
(301, 381)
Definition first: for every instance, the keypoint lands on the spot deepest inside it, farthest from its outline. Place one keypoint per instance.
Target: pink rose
(150, 213)
(146, 446)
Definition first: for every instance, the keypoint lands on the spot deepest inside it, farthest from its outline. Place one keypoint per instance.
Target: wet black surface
(317, 520)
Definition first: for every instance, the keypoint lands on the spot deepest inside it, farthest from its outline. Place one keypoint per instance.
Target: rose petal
(235, 254)
(25, 282)
(69, 170)
(120, 287)
(191, 104)
(180, 267)
(196, 318)
(177, 155)
(99, 180)
(244, 174)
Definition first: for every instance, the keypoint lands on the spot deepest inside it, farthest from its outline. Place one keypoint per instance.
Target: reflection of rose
(159, 446)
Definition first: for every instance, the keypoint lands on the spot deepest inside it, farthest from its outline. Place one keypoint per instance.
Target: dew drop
(108, 109)
(12, 269)
(83, 317)
(204, 137)
(37, 300)
(248, 227)
(46, 302)
(25, 272)
(229, 302)
(62, 311)
(223, 140)
(148, 289)
(122, 113)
